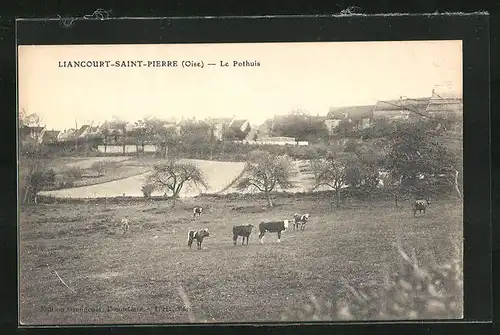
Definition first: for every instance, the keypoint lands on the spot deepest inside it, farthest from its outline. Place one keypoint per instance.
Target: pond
(218, 175)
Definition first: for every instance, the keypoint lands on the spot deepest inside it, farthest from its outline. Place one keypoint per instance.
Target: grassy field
(141, 271)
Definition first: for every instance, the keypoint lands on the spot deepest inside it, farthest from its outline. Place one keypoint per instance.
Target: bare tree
(333, 171)
(265, 172)
(173, 175)
(34, 173)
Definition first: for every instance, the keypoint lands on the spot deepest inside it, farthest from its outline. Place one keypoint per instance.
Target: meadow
(134, 278)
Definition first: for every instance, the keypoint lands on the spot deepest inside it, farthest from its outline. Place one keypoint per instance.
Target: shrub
(39, 179)
(147, 189)
(73, 173)
(98, 167)
(410, 292)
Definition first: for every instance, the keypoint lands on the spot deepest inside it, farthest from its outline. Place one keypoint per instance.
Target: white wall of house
(149, 148)
(365, 123)
(113, 149)
(331, 124)
(391, 114)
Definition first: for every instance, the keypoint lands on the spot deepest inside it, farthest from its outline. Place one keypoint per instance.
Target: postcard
(240, 182)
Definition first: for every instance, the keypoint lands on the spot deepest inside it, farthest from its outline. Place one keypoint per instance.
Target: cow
(197, 211)
(300, 219)
(198, 236)
(124, 225)
(243, 231)
(420, 205)
(272, 227)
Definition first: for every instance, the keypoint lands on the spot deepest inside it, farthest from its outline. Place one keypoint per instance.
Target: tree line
(418, 154)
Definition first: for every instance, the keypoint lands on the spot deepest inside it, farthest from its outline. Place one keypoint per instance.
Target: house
(253, 134)
(240, 127)
(94, 131)
(50, 136)
(277, 140)
(331, 124)
(265, 129)
(129, 127)
(219, 126)
(392, 110)
(66, 135)
(173, 127)
(401, 109)
(441, 103)
(109, 128)
(30, 133)
(83, 131)
(417, 107)
(358, 116)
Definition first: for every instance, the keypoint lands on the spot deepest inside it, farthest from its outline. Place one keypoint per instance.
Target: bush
(39, 179)
(410, 292)
(147, 189)
(73, 173)
(99, 167)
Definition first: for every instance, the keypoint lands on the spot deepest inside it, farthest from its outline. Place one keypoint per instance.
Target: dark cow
(198, 236)
(197, 211)
(420, 205)
(272, 227)
(244, 231)
(300, 220)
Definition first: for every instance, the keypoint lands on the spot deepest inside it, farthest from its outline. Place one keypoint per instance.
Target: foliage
(229, 135)
(173, 175)
(147, 189)
(334, 171)
(415, 149)
(34, 174)
(99, 167)
(300, 126)
(409, 292)
(73, 173)
(35, 181)
(366, 173)
(265, 172)
(196, 137)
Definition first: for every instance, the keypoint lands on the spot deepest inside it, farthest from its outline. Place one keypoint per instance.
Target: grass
(141, 277)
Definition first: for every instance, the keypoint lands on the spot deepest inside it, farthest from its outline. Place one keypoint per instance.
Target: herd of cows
(299, 222)
(244, 231)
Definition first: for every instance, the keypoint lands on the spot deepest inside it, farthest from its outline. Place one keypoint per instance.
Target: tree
(196, 135)
(300, 126)
(173, 175)
(147, 189)
(34, 174)
(334, 171)
(106, 134)
(365, 173)
(416, 151)
(141, 134)
(265, 172)
(119, 127)
(99, 167)
(345, 128)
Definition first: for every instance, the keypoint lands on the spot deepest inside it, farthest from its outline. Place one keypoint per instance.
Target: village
(122, 137)
(248, 198)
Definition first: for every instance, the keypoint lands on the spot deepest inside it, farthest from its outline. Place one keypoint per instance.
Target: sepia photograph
(240, 182)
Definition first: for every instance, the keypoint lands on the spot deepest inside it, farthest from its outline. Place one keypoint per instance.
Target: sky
(312, 77)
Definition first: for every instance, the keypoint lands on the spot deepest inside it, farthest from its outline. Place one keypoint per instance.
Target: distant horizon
(311, 77)
(208, 117)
